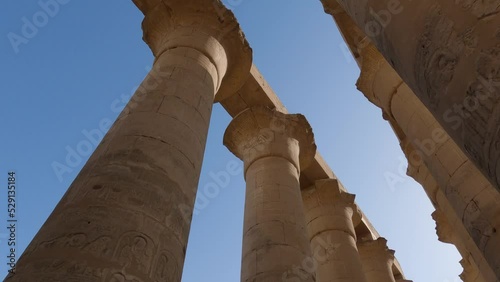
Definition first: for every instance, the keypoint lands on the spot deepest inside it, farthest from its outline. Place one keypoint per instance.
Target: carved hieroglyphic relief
(437, 56)
(165, 267)
(135, 250)
(482, 111)
(482, 9)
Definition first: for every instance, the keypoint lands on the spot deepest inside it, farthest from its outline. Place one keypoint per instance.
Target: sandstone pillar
(449, 225)
(447, 233)
(274, 147)
(126, 217)
(472, 198)
(331, 216)
(377, 260)
(468, 240)
(450, 179)
(450, 62)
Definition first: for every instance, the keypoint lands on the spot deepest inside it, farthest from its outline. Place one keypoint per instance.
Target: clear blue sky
(68, 76)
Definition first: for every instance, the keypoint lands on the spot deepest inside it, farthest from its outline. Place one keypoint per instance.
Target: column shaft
(274, 233)
(329, 214)
(127, 215)
(377, 260)
(123, 214)
(274, 147)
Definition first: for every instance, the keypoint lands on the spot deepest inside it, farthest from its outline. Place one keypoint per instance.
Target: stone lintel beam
(331, 219)
(274, 147)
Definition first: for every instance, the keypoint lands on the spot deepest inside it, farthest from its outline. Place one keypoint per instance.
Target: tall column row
(464, 194)
(127, 215)
(450, 62)
(289, 234)
(471, 196)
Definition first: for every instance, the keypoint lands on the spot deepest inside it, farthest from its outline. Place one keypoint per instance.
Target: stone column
(465, 232)
(447, 233)
(377, 260)
(274, 147)
(450, 179)
(472, 198)
(331, 217)
(450, 62)
(127, 215)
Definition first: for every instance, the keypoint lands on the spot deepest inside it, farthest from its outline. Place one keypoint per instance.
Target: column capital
(327, 199)
(205, 26)
(470, 272)
(377, 80)
(332, 7)
(331, 191)
(415, 161)
(444, 230)
(260, 132)
(376, 248)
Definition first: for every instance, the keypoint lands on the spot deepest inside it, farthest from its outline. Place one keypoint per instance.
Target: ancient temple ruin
(432, 67)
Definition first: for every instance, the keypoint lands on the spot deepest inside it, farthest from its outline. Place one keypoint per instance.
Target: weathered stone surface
(451, 63)
(448, 233)
(448, 176)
